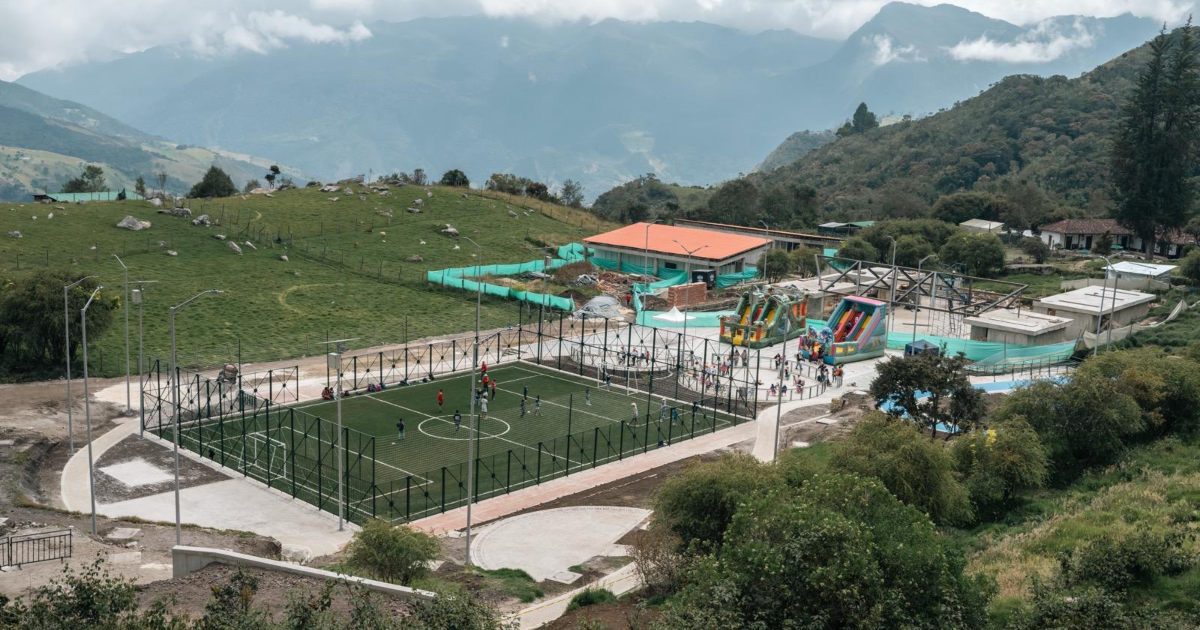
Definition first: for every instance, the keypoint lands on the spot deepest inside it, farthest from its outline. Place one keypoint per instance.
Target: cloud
(37, 34)
(533, 77)
(1043, 43)
(886, 51)
(504, 41)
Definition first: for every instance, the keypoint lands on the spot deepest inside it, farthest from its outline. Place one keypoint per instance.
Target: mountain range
(597, 102)
(45, 141)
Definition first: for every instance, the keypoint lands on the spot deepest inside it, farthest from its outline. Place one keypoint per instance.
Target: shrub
(216, 183)
(1135, 560)
(858, 249)
(455, 177)
(916, 469)
(657, 558)
(590, 597)
(391, 553)
(1190, 266)
(981, 254)
(1166, 388)
(1088, 609)
(1035, 248)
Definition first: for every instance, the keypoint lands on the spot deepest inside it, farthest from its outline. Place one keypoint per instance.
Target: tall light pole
(767, 233)
(895, 276)
(474, 428)
(687, 297)
(136, 296)
(67, 338)
(917, 313)
(175, 406)
(125, 307)
(87, 406)
(647, 250)
(779, 403)
(1100, 314)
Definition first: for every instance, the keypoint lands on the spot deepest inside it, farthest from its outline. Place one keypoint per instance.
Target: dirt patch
(628, 613)
(189, 594)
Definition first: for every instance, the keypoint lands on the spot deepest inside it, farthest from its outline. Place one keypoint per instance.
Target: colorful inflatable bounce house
(765, 319)
(857, 330)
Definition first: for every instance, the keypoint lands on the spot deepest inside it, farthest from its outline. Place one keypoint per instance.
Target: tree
(996, 463)
(1035, 248)
(699, 504)
(251, 184)
(391, 553)
(981, 254)
(910, 249)
(1081, 423)
(930, 390)
(537, 190)
(507, 183)
(862, 121)
(456, 178)
(90, 180)
(1153, 153)
(775, 265)
(932, 231)
(789, 205)
(418, 177)
(736, 201)
(1166, 388)
(270, 177)
(964, 206)
(32, 338)
(571, 194)
(1103, 245)
(139, 186)
(804, 260)
(1190, 267)
(838, 552)
(216, 183)
(858, 249)
(161, 178)
(634, 212)
(919, 472)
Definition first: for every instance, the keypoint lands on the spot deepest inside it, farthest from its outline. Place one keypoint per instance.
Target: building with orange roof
(653, 248)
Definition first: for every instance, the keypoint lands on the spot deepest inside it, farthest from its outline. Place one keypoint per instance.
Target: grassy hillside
(794, 147)
(346, 275)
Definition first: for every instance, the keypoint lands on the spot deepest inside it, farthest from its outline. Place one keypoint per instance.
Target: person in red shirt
(483, 367)
(485, 381)
(441, 399)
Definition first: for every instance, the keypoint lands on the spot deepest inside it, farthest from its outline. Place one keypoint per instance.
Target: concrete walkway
(621, 581)
(236, 503)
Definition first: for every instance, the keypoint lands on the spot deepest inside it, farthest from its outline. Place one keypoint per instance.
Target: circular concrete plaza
(547, 542)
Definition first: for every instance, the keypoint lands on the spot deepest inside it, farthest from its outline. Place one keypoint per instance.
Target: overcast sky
(37, 34)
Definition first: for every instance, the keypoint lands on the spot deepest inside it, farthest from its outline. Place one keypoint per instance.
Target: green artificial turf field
(293, 449)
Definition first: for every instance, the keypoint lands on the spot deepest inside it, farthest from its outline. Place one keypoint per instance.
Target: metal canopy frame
(955, 289)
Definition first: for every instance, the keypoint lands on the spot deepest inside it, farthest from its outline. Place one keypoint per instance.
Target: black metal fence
(40, 547)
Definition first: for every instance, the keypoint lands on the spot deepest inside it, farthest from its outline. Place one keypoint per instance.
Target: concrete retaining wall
(186, 560)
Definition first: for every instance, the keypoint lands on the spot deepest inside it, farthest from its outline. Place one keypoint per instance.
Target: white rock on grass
(250, 245)
(234, 246)
(132, 224)
(283, 257)
(171, 252)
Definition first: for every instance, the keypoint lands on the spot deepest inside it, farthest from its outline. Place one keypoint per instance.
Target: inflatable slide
(857, 330)
(763, 319)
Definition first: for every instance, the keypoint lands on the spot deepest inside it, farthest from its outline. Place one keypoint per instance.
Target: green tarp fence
(457, 277)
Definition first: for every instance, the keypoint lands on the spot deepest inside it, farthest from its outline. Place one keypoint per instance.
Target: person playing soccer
(674, 416)
(587, 396)
(525, 392)
(483, 407)
(493, 389)
(634, 418)
(399, 430)
(662, 411)
(457, 420)
(522, 407)
(441, 399)
(486, 380)
(537, 405)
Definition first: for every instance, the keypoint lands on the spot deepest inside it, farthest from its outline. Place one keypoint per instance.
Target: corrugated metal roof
(1141, 269)
(661, 240)
(110, 195)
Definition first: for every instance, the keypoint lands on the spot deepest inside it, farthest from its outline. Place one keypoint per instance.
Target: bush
(1035, 248)
(455, 177)
(919, 471)
(775, 264)
(31, 331)
(804, 261)
(1088, 609)
(657, 558)
(391, 553)
(1190, 266)
(1082, 423)
(996, 463)
(1166, 388)
(839, 552)
(699, 504)
(1118, 565)
(590, 597)
(932, 231)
